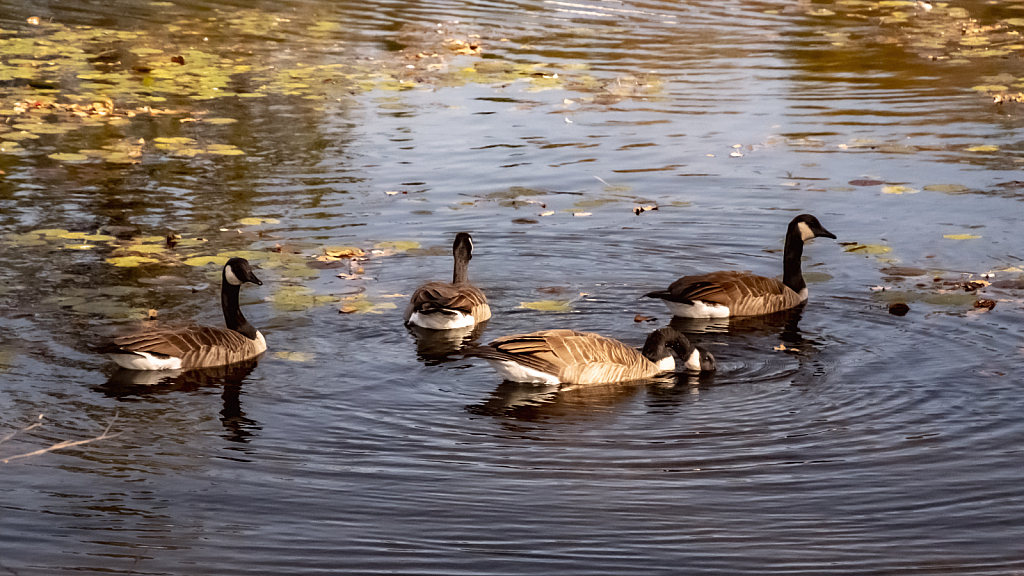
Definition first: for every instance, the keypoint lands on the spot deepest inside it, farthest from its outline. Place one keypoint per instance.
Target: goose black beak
(822, 233)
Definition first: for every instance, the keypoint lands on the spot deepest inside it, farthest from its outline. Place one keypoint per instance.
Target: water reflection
(434, 347)
(124, 384)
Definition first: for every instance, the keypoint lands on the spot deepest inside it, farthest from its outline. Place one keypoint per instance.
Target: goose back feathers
(196, 346)
(444, 306)
(570, 357)
(736, 293)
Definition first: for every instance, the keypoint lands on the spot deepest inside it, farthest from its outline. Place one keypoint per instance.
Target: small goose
(197, 346)
(570, 357)
(734, 293)
(443, 306)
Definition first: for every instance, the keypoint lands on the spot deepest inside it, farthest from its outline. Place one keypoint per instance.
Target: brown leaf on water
(153, 313)
(34, 21)
(985, 303)
(642, 318)
(641, 209)
(865, 182)
(780, 347)
(178, 60)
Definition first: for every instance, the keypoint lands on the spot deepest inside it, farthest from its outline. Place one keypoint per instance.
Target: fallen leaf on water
(985, 148)
(360, 304)
(582, 213)
(548, 213)
(34, 21)
(258, 221)
(344, 252)
(961, 236)
(947, 188)
(865, 182)
(899, 190)
(985, 303)
(641, 318)
(780, 347)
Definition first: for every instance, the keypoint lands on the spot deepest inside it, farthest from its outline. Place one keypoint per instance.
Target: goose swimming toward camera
(197, 346)
(570, 357)
(733, 293)
(443, 306)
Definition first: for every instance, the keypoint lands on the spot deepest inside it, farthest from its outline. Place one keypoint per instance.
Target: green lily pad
(397, 245)
(68, 157)
(548, 305)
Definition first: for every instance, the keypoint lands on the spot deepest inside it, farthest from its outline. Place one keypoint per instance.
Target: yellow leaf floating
(258, 221)
(344, 252)
(130, 261)
(961, 236)
(68, 157)
(548, 305)
(899, 190)
(205, 260)
(294, 356)
(985, 148)
(79, 246)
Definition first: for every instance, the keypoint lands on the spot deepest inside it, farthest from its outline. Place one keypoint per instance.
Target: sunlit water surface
(835, 439)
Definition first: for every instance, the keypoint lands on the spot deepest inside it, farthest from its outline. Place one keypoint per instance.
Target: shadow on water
(136, 384)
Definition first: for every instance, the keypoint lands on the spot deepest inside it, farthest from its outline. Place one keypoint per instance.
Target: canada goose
(443, 306)
(734, 293)
(197, 346)
(570, 357)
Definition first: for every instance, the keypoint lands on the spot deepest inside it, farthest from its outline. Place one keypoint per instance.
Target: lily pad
(68, 157)
(867, 249)
(206, 260)
(548, 305)
(130, 261)
(397, 245)
(360, 304)
(294, 356)
(947, 188)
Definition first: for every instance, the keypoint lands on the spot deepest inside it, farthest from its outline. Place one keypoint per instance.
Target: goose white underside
(693, 362)
(146, 361)
(447, 320)
(518, 373)
(699, 309)
(666, 364)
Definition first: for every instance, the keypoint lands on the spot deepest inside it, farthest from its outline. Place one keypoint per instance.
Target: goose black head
(700, 360)
(808, 227)
(238, 271)
(463, 246)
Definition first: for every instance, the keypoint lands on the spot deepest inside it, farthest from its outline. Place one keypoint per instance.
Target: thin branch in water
(13, 434)
(67, 443)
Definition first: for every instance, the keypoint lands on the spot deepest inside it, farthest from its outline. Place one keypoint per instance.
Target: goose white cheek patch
(229, 275)
(805, 231)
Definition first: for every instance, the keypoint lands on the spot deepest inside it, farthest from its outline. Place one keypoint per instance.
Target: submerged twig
(65, 444)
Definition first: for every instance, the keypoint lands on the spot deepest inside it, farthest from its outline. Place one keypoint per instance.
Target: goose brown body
(196, 346)
(570, 357)
(444, 306)
(736, 293)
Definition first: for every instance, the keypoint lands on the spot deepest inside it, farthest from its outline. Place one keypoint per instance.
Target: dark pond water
(870, 444)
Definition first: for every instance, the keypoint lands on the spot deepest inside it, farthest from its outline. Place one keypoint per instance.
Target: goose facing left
(570, 357)
(444, 306)
(195, 347)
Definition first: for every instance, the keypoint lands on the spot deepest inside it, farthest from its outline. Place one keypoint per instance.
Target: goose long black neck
(792, 276)
(232, 312)
(462, 257)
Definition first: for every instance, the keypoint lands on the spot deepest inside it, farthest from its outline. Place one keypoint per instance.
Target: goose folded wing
(724, 288)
